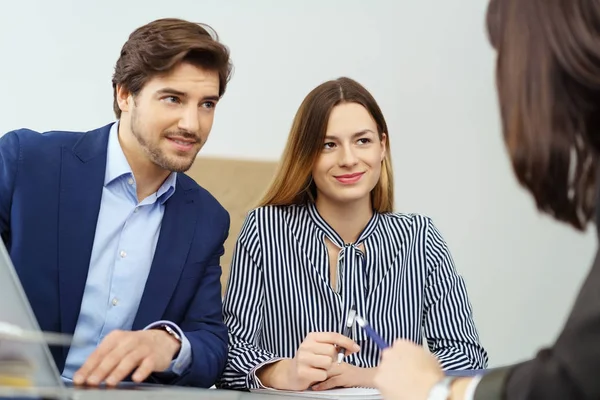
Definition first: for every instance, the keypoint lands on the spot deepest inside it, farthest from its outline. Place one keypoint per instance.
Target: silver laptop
(16, 310)
(47, 382)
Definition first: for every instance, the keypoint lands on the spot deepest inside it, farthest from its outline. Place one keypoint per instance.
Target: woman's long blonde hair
(293, 183)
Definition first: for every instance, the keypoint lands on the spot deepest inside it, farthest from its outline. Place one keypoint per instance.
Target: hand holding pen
(315, 356)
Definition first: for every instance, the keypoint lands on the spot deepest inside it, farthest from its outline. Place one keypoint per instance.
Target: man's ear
(123, 98)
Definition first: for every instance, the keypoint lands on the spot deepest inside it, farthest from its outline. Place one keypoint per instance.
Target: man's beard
(157, 156)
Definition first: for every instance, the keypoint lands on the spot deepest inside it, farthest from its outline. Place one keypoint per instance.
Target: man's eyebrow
(171, 91)
(179, 93)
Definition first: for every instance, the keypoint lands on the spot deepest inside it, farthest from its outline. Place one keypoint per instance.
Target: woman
(548, 79)
(324, 240)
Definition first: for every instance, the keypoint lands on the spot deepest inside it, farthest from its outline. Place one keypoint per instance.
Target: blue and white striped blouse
(404, 284)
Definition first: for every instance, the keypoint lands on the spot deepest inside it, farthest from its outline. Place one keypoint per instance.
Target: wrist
(273, 375)
(458, 389)
(449, 388)
(369, 376)
(442, 388)
(169, 341)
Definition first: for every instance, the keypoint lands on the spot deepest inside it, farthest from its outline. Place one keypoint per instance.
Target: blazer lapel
(81, 182)
(177, 230)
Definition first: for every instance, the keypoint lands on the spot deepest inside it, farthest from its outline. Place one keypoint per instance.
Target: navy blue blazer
(50, 192)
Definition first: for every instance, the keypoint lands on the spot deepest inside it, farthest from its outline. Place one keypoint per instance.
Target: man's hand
(121, 352)
(347, 375)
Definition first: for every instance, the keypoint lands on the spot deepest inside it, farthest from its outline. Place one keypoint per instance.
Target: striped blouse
(404, 283)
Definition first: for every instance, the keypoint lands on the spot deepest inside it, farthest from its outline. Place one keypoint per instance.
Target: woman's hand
(347, 375)
(314, 358)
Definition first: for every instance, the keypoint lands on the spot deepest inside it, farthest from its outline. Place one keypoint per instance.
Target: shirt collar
(333, 235)
(166, 190)
(117, 166)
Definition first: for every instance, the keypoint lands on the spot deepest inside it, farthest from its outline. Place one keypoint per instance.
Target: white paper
(343, 393)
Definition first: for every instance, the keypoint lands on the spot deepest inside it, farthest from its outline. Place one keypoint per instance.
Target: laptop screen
(15, 309)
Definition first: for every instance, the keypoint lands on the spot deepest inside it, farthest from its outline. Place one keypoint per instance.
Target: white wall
(427, 63)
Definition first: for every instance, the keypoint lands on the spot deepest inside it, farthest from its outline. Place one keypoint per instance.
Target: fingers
(113, 360)
(336, 369)
(317, 355)
(125, 366)
(117, 356)
(320, 349)
(311, 368)
(330, 383)
(311, 375)
(328, 343)
(317, 351)
(87, 372)
(324, 344)
(343, 375)
(314, 360)
(337, 339)
(144, 370)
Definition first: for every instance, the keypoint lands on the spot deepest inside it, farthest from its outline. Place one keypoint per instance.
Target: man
(111, 242)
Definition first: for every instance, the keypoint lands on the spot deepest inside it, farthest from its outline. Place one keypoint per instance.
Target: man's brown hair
(158, 46)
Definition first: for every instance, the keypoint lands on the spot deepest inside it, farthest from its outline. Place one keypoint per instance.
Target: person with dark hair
(325, 240)
(548, 83)
(111, 241)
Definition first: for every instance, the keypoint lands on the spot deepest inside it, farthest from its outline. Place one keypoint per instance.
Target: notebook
(16, 371)
(342, 394)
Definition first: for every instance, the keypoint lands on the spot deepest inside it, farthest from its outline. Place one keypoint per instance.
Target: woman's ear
(383, 142)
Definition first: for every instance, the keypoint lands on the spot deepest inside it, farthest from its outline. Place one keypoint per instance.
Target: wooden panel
(238, 185)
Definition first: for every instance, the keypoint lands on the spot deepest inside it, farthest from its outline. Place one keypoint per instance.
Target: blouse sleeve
(242, 307)
(448, 317)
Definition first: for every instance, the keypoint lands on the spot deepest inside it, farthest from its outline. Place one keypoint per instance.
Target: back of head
(158, 46)
(293, 182)
(548, 81)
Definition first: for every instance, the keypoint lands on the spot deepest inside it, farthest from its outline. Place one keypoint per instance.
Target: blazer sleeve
(242, 310)
(204, 327)
(448, 318)
(568, 369)
(9, 158)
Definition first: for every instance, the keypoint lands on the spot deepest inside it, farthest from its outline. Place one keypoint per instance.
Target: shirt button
(136, 209)
(130, 181)
(115, 301)
(123, 254)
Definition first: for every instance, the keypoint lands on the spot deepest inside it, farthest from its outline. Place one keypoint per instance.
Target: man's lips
(182, 139)
(182, 143)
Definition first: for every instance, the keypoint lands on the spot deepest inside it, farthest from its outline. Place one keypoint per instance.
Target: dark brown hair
(548, 81)
(158, 46)
(293, 183)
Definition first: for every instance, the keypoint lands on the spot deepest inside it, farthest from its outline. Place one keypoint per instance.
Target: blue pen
(371, 333)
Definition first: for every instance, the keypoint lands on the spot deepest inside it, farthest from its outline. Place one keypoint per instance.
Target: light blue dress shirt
(126, 236)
